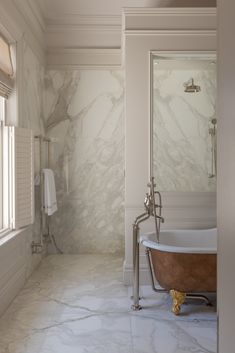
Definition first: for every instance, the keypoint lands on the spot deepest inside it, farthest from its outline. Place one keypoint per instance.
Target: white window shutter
(22, 146)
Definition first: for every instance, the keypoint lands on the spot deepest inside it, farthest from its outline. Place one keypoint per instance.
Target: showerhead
(190, 87)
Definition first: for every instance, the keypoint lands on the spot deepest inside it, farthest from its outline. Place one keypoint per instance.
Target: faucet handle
(151, 184)
(158, 206)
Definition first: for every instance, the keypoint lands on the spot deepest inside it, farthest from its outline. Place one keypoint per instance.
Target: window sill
(10, 234)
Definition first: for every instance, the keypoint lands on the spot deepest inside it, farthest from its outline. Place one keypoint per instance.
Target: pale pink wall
(226, 175)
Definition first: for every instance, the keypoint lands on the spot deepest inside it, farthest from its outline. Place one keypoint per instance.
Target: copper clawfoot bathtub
(183, 262)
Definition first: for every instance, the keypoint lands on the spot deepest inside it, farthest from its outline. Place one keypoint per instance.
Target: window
(6, 86)
(16, 158)
(4, 172)
(1, 160)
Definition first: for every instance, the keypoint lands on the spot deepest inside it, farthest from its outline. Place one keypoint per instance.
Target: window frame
(2, 113)
(5, 173)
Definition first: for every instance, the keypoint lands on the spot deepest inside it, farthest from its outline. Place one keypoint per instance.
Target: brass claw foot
(178, 299)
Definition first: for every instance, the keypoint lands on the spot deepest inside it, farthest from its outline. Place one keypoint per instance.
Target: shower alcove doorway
(183, 123)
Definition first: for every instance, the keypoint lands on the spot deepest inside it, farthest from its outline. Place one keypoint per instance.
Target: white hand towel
(50, 203)
(37, 180)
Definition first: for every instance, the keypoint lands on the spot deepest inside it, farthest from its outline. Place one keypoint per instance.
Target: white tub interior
(202, 241)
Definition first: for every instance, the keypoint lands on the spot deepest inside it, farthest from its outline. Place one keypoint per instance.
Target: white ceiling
(54, 8)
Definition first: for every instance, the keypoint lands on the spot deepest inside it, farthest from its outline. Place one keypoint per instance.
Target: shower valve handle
(151, 184)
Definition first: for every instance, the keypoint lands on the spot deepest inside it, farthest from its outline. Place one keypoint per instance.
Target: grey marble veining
(84, 117)
(181, 122)
(78, 303)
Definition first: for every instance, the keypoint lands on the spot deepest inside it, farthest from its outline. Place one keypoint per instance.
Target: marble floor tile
(78, 303)
(172, 336)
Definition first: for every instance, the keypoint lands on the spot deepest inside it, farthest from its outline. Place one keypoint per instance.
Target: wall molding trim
(144, 272)
(83, 31)
(83, 58)
(85, 20)
(179, 199)
(179, 11)
(11, 289)
(169, 19)
(147, 32)
(181, 211)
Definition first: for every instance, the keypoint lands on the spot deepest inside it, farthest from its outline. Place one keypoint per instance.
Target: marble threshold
(78, 303)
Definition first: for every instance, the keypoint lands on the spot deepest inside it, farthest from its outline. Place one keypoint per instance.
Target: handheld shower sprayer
(151, 206)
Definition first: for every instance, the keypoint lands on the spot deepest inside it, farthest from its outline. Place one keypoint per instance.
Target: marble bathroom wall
(85, 120)
(181, 141)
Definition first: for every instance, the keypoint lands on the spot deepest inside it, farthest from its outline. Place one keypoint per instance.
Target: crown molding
(169, 19)
(54, 28)
(86, 20)
(84, 31)
(156, 32)
(182, 11)
(83, 58)
(84, 42)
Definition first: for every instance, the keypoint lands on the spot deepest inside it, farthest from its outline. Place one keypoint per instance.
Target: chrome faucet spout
(160, 218)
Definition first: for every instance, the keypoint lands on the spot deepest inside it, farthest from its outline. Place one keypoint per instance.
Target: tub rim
(149, 243)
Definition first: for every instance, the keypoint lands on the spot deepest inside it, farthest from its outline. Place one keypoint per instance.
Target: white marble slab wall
(84, 114)
(182, 145)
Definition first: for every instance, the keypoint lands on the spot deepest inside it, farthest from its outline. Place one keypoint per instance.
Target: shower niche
(184, 123)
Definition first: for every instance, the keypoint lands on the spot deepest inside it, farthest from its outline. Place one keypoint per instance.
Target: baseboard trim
(128, 274)
(11, 289)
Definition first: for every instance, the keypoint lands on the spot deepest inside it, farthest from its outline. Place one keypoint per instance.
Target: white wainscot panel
(16, 264)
